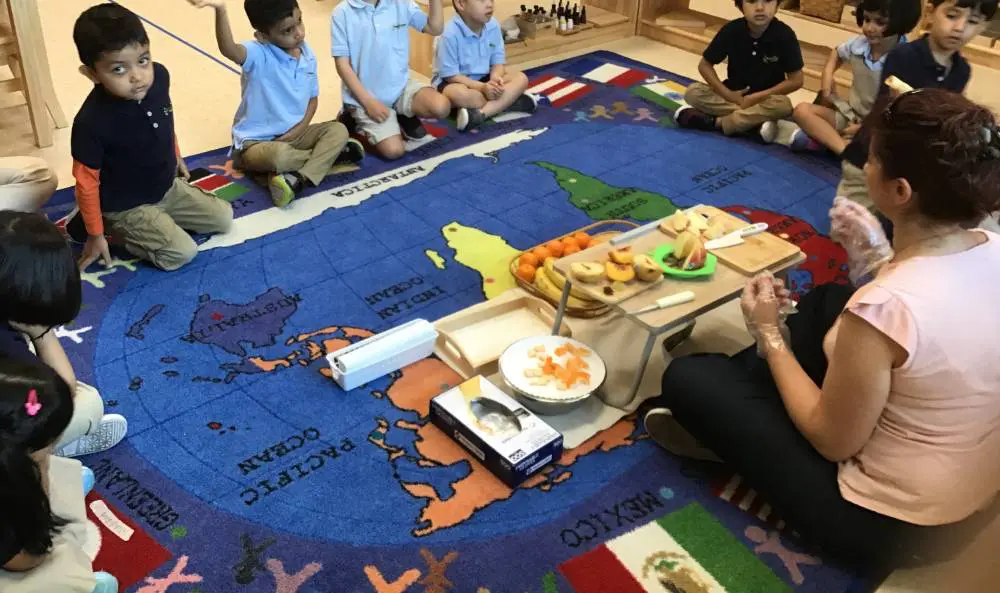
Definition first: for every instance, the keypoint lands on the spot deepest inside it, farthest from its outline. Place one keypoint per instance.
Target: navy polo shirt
(130, 142)
(12, 344)
(755, 63)
(914, 64)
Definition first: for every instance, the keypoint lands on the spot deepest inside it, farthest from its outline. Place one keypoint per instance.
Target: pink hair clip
(32, 406)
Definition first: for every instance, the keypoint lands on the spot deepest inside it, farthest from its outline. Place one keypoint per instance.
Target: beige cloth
(733, 118)
(376, 132)
(88, 409)
(67, 569)
(853, 185)
(311, 155)
(26, 183)
(158, 232)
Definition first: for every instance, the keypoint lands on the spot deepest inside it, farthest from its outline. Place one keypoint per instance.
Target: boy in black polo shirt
(765, 65)
(128, 169)
(933, 61)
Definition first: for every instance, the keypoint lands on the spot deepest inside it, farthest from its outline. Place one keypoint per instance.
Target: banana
(544, 284)
(559, 281)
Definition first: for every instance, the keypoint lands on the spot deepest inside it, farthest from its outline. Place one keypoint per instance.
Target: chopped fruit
(686, 243)
(549, 366)
(646, 268)
(541, 253)
(677, 222)
(619, 272)
(526, 272)
(587, 272)
(569, 348)
(571, 249)
(555, 248)
(622, 255)
(600, 239)
(618, 286)
(714, 230)
(582, 240)
(696, 259)
(528, 258)
(532, 373)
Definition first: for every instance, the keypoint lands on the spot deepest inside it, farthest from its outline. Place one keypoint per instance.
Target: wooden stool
(22, 48)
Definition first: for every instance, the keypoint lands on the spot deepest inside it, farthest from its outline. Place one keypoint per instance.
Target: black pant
(732, 406)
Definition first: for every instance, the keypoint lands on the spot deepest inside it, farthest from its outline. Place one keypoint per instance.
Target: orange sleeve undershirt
(88, 197)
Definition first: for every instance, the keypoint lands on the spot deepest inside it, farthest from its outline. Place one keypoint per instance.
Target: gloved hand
(861, 234)
(766, 303)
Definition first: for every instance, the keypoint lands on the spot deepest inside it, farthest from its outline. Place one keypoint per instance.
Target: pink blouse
(934, 456)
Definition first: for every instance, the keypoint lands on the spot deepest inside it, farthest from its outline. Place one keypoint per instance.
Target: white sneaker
(108, 433)
(769, 131)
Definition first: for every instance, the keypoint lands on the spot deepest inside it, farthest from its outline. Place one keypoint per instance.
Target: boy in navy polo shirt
(469, 67)
(765, 65)
(933, 61)
(371, 48)
(273, 131)
(125, 159)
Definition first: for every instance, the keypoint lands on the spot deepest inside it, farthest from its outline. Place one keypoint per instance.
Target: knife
(736, 237)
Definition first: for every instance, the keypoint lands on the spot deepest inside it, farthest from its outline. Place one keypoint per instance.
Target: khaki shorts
(845, 116)
(376, 132)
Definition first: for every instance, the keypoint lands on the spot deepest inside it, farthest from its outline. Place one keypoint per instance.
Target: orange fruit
(526, 272)
(555, 248)
(582, 239)
(571, 249)
(542, 253)
(528, 258)
(567, 241)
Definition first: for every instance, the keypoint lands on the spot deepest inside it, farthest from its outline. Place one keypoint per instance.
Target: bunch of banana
(551, 283)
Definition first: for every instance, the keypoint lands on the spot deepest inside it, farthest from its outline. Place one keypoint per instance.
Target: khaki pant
(157, 232)
(311, 155)
(26, 183)
(733, 118)
(88, 410)
(853, 185)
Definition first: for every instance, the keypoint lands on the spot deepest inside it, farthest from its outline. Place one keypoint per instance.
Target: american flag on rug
(734, 490)
(559, 91)
(616, 75)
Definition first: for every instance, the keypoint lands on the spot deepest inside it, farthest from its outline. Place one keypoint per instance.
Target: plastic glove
(764, 313)
(861, 234)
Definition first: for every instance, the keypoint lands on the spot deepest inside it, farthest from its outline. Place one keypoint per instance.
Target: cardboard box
(502, 434)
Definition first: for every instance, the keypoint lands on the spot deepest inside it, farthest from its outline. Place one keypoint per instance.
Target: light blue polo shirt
(462, 51)
(277, 89)
(867, 72)
(377, 40)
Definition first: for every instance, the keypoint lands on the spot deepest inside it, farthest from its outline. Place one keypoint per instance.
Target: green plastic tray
(661, 253)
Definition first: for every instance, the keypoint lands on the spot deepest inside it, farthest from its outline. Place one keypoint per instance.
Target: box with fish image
(500, 433)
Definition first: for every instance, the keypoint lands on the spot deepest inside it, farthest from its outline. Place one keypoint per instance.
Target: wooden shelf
(696, 40)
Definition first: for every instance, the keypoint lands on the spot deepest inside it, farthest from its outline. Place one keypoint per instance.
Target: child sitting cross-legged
(831, 122)
(273, 132)
(765, 65)
(129, 175)
(43, 521)
(470, 70)
(371, 49)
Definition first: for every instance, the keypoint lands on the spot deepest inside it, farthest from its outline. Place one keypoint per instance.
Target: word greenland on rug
(247, 469)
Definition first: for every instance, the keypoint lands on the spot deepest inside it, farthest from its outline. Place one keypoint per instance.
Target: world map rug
(246, 469)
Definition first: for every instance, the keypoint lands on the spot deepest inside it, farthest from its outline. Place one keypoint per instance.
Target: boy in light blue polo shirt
(469, 67)
(371, 48)
(273, 131)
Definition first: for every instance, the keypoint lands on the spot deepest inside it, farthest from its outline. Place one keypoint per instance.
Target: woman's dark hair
(106, 28)
(265, 14)
(903, 15)
(39, 278)
(24, 507)
(947, 148)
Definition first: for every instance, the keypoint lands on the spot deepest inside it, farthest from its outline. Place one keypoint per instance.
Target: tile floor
(205, 90)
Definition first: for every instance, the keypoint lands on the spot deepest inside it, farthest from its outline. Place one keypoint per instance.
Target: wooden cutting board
(757, 253)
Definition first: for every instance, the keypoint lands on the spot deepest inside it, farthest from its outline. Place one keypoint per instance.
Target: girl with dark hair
(40, 548)
(874, 428)
(831, 121)
(40, 291)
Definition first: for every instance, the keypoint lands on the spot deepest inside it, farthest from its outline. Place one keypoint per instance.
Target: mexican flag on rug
(687, 551)
(665, 93)
(218, 185)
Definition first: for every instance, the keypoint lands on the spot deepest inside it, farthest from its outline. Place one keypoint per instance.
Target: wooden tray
(602, 229)
(756, 253)
(472, 340)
